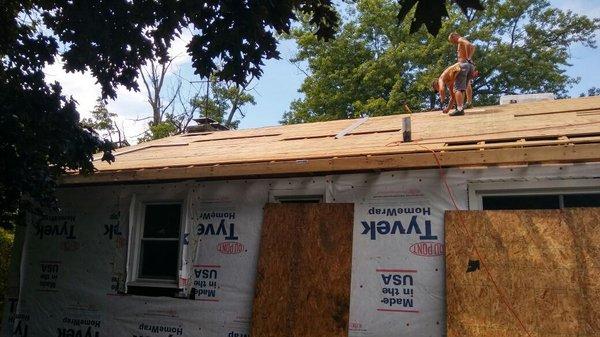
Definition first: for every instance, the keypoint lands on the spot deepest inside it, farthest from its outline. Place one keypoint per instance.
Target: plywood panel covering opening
(303, 280)
(523, 273)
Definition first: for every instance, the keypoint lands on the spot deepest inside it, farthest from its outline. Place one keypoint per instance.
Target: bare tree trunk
(232, 111)
(153, 76)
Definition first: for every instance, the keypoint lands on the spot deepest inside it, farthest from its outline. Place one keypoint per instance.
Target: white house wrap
(74, 263)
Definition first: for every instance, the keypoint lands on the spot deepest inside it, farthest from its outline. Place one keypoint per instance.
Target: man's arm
(450, 83)
(442, 92)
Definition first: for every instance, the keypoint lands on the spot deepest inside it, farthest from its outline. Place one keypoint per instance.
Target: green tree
(375, 66)
(224, 103)
(6, 243)
(593, 91)
(163, 129)
(104, 123)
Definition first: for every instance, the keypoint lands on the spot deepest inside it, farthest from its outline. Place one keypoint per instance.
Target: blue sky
(281, 79)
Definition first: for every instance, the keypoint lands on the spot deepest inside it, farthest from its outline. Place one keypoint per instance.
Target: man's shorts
(463, 77)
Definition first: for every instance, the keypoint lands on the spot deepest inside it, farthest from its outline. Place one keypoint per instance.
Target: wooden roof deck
(547, 131)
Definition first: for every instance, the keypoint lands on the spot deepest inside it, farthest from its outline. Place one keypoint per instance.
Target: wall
(74, 265)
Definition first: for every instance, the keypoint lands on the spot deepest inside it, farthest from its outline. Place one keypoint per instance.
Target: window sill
(153, 284)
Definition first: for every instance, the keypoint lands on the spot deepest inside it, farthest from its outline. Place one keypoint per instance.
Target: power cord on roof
(469, 236)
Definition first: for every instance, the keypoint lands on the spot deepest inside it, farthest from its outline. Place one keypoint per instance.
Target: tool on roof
(406, 129)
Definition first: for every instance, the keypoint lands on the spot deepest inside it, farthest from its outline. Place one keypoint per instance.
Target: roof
(546, 131)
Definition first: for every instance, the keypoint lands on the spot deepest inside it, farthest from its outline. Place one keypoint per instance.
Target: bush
(6, 243)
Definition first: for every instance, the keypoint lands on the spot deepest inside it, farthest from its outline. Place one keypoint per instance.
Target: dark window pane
(582, 200)
(159, 259)
(300, 199)
(162, 221)
(521, 202)
(152, 291)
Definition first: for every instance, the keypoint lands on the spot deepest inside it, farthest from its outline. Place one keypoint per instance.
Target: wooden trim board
(425, 159)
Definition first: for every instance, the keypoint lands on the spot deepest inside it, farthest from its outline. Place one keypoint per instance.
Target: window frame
(301, 194)
(478, 190)
(138, 216)
(308, 198)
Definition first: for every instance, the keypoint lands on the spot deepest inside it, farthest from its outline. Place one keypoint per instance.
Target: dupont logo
(427, 249)
(230, 247)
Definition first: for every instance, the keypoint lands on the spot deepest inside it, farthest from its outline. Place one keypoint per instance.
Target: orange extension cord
(487, 271)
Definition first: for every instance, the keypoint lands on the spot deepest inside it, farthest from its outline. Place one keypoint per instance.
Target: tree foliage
(105, 124)
(593, 91)
(6, 243)
(224, 102)
(165, 128)
(375, 66)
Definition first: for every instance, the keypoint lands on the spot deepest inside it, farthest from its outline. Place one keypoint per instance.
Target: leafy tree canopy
(375, 66)
(104, 122)
(223, 103)
(593, 91)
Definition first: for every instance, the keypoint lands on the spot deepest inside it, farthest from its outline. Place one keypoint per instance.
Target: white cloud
(82, 87)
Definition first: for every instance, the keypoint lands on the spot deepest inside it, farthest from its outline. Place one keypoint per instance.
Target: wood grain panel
(303, 280)
(544, 264)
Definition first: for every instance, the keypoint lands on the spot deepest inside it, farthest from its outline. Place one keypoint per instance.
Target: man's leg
(460, 86)
(460, 99)
(469, 94)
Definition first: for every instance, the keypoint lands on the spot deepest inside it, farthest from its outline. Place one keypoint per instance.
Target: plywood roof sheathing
(484, 136)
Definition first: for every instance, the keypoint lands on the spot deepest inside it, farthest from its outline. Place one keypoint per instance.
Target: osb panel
(303, 280)
(546, 264)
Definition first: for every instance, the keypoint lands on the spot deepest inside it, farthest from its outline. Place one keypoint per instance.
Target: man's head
(435, 85)
(453, 37)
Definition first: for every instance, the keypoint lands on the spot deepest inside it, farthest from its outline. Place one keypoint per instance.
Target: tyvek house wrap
(74, 266)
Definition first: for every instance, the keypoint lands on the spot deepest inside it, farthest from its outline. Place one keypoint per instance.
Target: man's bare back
(464, 48)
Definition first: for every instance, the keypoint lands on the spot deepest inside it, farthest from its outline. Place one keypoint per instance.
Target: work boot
(457, 112)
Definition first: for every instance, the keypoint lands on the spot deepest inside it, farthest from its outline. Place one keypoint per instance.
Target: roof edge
(337, 165)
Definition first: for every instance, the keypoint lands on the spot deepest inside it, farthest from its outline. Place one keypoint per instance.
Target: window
(513, 195)
(581, 200)
(159, 247)
(155, 252)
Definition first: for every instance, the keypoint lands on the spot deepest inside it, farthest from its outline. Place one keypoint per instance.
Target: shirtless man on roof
(464, 51)
(456, 78)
